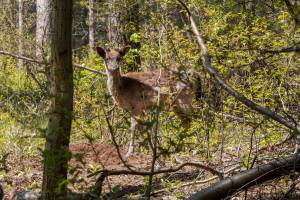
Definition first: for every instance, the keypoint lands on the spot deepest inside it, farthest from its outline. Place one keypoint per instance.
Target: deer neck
(113, 82)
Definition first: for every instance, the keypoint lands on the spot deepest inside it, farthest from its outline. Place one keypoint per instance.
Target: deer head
(112, 57)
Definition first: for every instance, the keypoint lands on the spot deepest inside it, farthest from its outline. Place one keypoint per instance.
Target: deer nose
(112, 65)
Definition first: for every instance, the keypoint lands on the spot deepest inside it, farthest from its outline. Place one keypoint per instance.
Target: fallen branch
(161, 171)
(105, 173)
(246, 179)
(240, 97)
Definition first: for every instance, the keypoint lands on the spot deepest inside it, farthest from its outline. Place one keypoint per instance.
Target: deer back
(173, 92)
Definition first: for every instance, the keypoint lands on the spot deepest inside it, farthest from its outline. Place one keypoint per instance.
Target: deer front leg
(133, 125)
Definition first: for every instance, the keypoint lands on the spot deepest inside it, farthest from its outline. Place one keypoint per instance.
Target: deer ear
(101, 52)
(124, 50)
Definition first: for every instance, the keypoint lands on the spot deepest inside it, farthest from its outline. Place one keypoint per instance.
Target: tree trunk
(113, 35)
(21, 27)
(43, 21)
(56, 154)
(91, 24)
(248, 178)
(43, 31)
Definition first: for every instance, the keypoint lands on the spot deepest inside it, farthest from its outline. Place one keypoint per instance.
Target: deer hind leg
(133, 126)
(185, 118)
(184, 109)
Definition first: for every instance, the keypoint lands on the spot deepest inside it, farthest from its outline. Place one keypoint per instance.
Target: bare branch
(161, 171)
(240, 97)
(22, 57)
(105, 173)
(28, 59)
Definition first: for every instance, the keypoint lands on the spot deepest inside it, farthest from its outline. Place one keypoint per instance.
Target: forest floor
(88, 158)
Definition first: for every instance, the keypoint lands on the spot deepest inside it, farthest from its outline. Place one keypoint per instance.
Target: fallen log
(246, 179)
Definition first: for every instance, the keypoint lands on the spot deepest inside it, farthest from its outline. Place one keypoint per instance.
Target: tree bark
(249, 178)
(56, 153)
(91, 24)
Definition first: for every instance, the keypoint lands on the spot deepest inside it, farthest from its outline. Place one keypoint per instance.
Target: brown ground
(89, 157)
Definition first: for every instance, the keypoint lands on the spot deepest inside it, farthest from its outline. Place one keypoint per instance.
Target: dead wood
(248, 178)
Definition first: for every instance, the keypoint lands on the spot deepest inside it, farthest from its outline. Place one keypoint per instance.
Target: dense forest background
(254, 46)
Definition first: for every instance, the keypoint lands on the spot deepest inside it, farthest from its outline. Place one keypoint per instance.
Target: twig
(154, 151)
(240, 97)
(89, 69)
(185, 185)
(112, 134)
(291, 188)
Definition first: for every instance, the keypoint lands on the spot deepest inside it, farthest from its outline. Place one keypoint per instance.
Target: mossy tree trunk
(56, 154)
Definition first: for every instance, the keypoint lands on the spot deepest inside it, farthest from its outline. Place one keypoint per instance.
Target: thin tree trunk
(56, 154)
(21, 27)
(42, 27)
(91, 24)
(113, 35)
(43, 31)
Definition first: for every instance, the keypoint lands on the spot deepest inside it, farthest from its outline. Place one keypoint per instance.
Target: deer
(138, 92)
